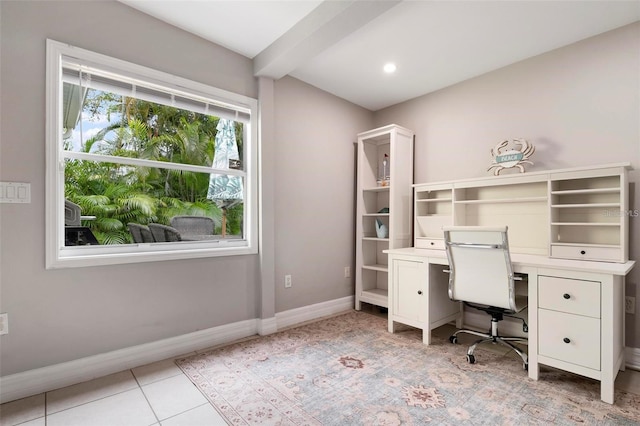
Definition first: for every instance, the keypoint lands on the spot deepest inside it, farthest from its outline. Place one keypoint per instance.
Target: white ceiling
(340, 46)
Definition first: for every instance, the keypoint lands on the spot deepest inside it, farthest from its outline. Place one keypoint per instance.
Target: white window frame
(59, 256)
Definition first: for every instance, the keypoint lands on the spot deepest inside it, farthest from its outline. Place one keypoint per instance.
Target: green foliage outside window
(117, 194)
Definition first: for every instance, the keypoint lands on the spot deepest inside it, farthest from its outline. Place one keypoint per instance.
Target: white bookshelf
(384, 198)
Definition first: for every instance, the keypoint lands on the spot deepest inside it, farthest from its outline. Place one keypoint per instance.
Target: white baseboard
(33, 382)
(312, 312)
(632, 358)
(267, 326)
(44, 379)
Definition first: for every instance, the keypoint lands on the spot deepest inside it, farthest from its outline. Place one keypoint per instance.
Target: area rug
(348, 370)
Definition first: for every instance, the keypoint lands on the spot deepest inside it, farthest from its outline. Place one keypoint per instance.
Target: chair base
(493, 337)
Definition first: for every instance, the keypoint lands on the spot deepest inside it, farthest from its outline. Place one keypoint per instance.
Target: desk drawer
(430, 243)
(610, 254)
(570, 338)
(572, 296)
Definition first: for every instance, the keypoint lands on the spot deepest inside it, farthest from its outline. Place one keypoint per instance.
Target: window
(130, 148)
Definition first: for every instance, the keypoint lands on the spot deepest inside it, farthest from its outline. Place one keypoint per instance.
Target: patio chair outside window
(193, 225)
(140, 233)
(164, 233)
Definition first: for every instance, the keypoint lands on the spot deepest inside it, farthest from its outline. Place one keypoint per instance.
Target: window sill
(87, 256)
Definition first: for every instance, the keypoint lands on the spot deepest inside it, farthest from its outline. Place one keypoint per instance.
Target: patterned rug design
(348, 370)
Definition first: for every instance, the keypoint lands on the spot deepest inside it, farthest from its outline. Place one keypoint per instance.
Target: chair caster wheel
(471, 359)
(453, 339)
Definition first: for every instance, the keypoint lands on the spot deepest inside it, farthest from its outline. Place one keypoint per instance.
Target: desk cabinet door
(408, 299)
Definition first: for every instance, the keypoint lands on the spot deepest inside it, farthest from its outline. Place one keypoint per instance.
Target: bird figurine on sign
(517, 156)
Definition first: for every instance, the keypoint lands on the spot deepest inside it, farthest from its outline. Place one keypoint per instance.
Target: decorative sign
(517, 156)
(509, 157)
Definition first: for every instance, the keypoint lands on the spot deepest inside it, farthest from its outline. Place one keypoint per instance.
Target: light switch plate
(15, 192)
(4, 323)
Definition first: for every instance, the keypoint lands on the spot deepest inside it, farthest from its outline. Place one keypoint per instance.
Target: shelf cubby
(433, 209)
(587, 215)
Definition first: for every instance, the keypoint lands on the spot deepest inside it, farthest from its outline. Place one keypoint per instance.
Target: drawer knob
(566, 340)
(583, 252)
(419, 291)
(432, 243)
(566, 296)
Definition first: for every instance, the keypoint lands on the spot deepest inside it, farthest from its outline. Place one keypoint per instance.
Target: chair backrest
(71, 213)
(193, 225)
(164, 233)
(480, 266)
(140, 233)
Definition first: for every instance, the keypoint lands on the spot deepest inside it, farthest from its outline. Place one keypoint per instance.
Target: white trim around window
(59, 256)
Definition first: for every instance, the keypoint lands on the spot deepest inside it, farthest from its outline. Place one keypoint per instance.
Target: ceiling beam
(328, 23)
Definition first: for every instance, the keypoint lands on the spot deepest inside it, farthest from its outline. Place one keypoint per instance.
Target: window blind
(88, 77)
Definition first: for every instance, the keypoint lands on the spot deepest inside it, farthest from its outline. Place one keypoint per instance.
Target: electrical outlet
(347, 272)
(630, 304)
(4, 323)
(287, 281)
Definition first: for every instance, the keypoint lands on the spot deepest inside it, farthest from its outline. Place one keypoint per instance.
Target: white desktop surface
(609, 268)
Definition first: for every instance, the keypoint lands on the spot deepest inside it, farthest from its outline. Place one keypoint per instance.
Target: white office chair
(482, 277)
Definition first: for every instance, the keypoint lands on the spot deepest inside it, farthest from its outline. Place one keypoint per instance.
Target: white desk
(576, 309)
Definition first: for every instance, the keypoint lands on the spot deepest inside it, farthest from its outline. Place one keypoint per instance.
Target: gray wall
(579, 105)
(315, 207)
(62, 315)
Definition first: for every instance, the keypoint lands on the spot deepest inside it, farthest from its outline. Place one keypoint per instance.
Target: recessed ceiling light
(390, 68)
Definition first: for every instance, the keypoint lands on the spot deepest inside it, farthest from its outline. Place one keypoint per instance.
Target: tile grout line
(181, 373)
(138, 384)
(145, 397)
(190, 409)
(88, 402)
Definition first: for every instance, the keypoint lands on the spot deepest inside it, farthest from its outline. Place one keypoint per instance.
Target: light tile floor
(157, 394)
